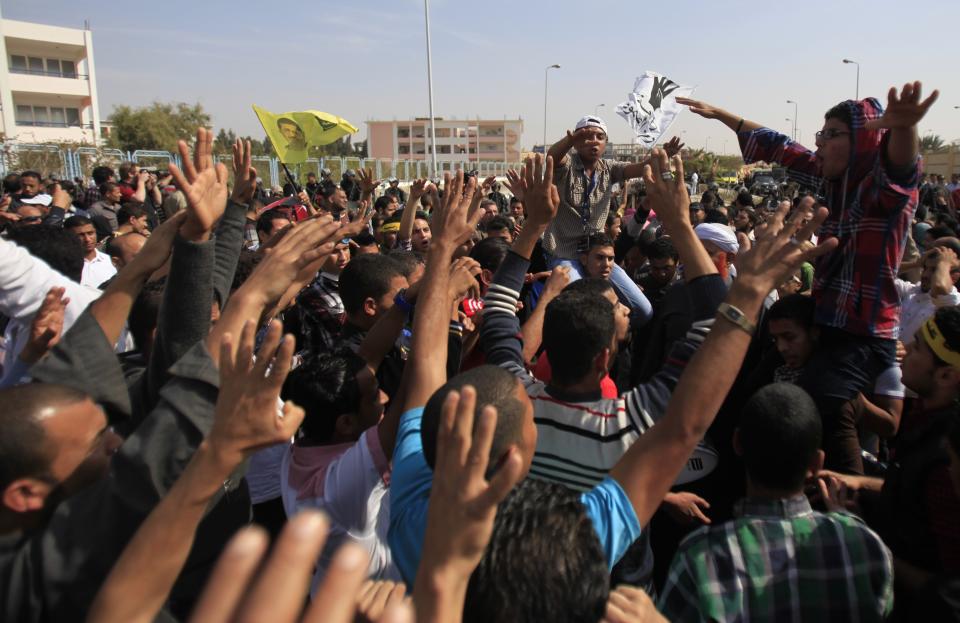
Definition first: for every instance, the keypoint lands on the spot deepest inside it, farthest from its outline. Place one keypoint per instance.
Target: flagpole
(433, 125)
(296, 187)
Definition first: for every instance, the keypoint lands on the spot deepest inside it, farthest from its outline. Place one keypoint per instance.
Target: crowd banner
(652, 106)
(293, 133)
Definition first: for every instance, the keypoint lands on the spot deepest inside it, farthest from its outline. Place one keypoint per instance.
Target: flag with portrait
(652, 106)
(293, 133)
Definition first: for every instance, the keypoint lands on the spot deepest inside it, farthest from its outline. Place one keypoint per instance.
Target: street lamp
(794, 118)
(433, 125)
(724, 147)
(596, 109)
(847, 61)
(546, 74)
(706, 144)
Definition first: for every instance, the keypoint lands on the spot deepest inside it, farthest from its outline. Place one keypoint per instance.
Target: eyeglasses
(826, 135)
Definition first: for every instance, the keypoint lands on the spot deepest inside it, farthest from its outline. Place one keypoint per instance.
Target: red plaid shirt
(870, 214)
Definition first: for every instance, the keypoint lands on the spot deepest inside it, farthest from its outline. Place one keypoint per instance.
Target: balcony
(40, 82)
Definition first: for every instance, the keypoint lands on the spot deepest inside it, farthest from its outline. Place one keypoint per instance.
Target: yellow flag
(293, 133)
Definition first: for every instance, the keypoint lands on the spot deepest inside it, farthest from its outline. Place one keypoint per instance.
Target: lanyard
(585, 202)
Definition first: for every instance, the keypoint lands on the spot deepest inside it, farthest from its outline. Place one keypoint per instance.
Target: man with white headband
(584, 180)
(721, 243)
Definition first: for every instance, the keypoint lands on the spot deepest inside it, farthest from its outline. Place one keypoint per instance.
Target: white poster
(652, 106)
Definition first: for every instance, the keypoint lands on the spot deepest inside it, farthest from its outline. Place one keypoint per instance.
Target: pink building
(470, 140)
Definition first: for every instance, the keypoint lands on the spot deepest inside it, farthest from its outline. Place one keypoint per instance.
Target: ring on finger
(667, 176)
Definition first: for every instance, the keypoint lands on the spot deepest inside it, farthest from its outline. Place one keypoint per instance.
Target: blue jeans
(627, 291)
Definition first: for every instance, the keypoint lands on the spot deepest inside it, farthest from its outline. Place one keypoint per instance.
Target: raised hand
(47, 326)
(515, 183)
(558, 280)
(358, 223)
(463, 504)
(244, 175)
(701, 108)
(488, 183)
(418, 188)
(541, 198)
(377, 597)
(455, 219)
(156, 250)
(246, 417)
(367, 183)
(463, 278)
(673, 147)
(904, 111)
(666, 190)
(780, 248)
(203, 184)
(276, 593)
(686, 508)
(61, 198)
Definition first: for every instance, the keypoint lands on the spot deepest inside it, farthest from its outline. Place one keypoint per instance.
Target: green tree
(157, 126)
(224, 141)
(931, 142)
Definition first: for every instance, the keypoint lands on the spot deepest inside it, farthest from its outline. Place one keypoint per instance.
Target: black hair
(11, 183)
(421, 215)
(840, 112)
(107, 187)
(515, 199)
(265, 220)
(597, 239)
(490, 253)
(101, 174)
(576, 328)
(24, 451)
(328, 191)
(589, 286)
(145, 313)
(407, 261)
(365, 239)
(124, 169)
(495, 386)
(499, 223)
(796, 307)
(326, 387)
(382, 202)
(32, 174)
(780, 433)
(712, 215)
(661, 249)
(948, 322)
(744, 198)
(77, 221)
(366, 276)
(939, 231)
(55, 246)
(544, 561)
(130, 210)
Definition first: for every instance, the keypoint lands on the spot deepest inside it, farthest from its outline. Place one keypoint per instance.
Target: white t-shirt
(351, 484)
(97, 270)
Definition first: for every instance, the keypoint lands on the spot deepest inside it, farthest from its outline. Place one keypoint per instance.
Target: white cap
(591, 121)
(42, 199)
(718, 234)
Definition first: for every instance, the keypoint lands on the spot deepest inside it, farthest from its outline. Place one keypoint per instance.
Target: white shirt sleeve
(950, 299)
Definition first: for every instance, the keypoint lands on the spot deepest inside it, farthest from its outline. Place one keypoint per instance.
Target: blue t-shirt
(607, 505)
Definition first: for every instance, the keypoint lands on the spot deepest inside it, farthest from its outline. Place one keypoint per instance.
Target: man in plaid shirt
(867, 167)
(779, 559)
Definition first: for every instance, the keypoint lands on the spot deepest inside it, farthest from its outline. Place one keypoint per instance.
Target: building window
(73, 116)
(41, 116)
(42, 67)
(69, 69)
(24, 115)
(403, 149)
(18, 64)
(403, 132)
(53, 67)
(35, 65)
(58, 118)
(443, 149)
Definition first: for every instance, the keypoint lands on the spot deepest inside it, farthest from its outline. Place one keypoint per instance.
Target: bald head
(123, 249)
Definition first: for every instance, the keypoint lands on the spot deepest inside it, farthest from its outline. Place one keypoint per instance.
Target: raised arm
(901, 117)
(246, 418)
(417, 189)
(532, 329)
(452, 223)
(729, 119)
(632, 170)
(649, 468)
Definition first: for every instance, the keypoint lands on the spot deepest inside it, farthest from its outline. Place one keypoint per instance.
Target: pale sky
(365, 60)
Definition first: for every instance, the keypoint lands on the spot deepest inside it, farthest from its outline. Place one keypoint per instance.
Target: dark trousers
(844, 365)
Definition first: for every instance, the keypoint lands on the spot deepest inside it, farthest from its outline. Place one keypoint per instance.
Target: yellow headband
(934, 338)
(390, 228)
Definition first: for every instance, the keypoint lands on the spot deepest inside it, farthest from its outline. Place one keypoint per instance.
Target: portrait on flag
(652, 106)
(294, 133)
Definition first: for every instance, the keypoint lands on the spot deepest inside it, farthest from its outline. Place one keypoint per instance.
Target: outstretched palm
(203, 184)
(904, 111)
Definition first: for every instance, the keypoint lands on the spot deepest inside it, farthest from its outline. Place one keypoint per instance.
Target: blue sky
(366, 60)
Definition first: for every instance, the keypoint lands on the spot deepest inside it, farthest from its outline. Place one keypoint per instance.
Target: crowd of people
(593, 397)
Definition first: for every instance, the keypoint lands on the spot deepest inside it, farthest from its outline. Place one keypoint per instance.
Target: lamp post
(847, 61)
(706, 144)
(546, 75)
(433, 125)
(596, 109)
(794, 118)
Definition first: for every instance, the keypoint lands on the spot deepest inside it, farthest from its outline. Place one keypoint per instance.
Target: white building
(48, 87)
(458, 141)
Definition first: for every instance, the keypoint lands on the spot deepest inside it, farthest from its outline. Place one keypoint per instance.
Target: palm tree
(931, 142)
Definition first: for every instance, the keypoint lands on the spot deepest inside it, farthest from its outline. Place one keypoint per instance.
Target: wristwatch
(737, 317)
(400, 300)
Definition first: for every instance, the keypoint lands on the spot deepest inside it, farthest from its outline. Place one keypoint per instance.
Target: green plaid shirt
(781, 561)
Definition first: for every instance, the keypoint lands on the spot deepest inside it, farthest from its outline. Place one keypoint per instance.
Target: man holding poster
(584, 180)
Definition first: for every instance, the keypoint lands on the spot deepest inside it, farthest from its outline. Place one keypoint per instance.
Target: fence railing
(80, 161)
